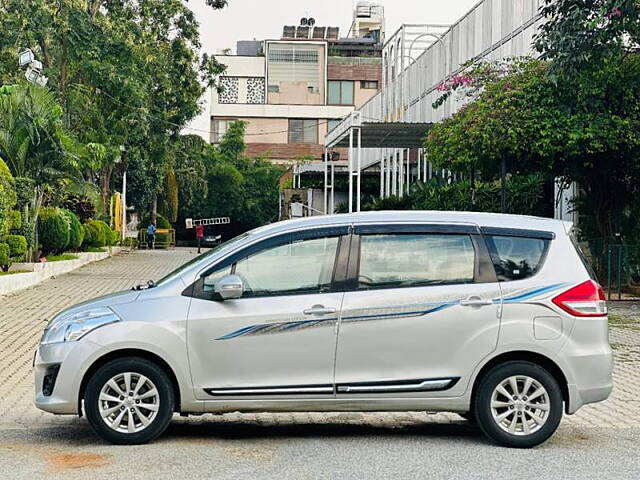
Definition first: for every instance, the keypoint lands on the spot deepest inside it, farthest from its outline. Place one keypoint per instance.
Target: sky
(264, 19)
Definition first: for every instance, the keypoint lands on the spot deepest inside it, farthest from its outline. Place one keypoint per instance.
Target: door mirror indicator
(229, 287)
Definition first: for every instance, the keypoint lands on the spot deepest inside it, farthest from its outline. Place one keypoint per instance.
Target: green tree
(587, 132)
(582, 34)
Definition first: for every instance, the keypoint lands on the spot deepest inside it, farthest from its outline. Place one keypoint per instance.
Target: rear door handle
(475, 301)
(319, 310)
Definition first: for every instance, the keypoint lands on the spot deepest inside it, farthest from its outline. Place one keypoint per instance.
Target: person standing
(199, 235)
(151, 235)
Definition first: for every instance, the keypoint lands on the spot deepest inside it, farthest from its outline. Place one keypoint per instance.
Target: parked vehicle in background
(492, 316)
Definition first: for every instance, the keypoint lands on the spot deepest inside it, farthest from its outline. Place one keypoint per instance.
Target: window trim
(196, 290)
(341, 82)
(304, 129)
(483, 269)
(518, 232)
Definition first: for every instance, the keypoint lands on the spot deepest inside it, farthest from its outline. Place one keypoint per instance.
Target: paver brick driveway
(23, 316)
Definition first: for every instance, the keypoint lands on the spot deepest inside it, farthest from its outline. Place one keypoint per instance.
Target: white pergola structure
(392, 142)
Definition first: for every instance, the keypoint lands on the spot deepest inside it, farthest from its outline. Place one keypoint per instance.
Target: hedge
(93, 234)
(53, 230)
(5, 260)
(76, 232)
(17, 246)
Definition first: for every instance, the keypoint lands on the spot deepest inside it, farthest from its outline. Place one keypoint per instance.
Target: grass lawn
(15, 271)
(60, 258)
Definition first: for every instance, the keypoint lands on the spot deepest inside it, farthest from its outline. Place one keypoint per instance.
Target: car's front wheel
(129, 401)
(518, 404)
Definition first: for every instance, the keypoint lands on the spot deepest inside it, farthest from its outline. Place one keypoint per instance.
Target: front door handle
(475, 301)
(319, 310)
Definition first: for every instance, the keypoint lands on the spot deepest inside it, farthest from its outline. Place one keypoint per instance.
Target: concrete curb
(39, 272)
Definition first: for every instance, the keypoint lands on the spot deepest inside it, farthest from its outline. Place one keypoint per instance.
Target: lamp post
(123, 152)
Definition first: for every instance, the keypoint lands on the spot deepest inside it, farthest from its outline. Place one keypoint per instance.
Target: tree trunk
(154, 207)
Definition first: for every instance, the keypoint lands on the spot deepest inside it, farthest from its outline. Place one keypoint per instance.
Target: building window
(303, 131)
(220, 127)
(255, 90)
(369, 84)
(331, 124)
(340, 92)
(294, 64)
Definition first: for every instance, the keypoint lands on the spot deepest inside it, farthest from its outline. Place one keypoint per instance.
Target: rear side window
(411, 260)
(517, 258)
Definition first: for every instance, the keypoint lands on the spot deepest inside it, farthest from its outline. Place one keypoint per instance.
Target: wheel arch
(526, 356)
(129, 352)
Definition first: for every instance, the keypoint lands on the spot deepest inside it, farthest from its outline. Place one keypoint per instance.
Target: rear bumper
(593, 379)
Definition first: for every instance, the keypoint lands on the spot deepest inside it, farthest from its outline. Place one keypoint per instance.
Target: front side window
(411, 260)
(303, 130)
(296, 267)
(516, 258)
(340, 92)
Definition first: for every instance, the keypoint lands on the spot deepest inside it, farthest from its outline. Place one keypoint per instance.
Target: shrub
(5, 257)
(53, 230)
(81, 205)
(27, 231)
(93, 235)
(76, 232)
(15, 220)
(7, 197)
(24, 190)
(109, 237)
(17, 246)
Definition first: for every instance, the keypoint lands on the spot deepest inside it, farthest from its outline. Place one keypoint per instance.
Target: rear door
(421, 312)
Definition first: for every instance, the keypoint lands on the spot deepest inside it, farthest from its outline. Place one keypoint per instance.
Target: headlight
(73, 326)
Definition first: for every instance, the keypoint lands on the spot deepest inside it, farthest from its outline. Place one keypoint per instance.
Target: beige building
(293, 91)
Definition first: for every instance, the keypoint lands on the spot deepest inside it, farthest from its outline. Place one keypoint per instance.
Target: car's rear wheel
(518, 404)
(129, 401)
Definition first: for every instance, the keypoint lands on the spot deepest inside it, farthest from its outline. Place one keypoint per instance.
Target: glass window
(303, 266)
(331, 124)
(220, 127)
(340, 92)
(366, 84)
(517, 258)
(408, 260)
(303, 130)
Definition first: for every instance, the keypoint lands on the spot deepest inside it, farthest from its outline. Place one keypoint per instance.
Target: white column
(381, 154)
(326, 175)
(124, 205)
(359, 168)
(350, 169)
(394, 173)
(401, 174)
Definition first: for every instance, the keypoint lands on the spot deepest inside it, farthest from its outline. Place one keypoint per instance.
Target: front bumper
(71, 358)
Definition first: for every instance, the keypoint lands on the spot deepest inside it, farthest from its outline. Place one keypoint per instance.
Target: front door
(423, 310)
(279, 338)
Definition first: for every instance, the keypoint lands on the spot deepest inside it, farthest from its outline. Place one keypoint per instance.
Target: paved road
(601, 441)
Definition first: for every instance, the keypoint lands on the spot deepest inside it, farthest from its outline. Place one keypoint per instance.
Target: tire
(468, 416)
(150, 397)
(541, 413)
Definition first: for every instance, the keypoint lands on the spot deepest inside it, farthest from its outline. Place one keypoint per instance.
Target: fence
(623, 272)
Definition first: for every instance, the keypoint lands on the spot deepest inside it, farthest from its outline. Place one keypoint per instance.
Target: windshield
(214, 251)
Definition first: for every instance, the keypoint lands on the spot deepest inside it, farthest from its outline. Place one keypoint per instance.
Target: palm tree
(33, 142)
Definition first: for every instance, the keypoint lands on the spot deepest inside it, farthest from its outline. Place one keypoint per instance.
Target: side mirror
(229, 287)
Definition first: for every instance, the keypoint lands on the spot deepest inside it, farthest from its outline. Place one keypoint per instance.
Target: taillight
(584, 300)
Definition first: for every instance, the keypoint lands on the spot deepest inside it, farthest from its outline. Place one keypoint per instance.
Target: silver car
(496, 317)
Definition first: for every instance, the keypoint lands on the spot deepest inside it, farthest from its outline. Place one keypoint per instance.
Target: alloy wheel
(128, 402)
(520, 405)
